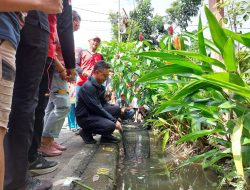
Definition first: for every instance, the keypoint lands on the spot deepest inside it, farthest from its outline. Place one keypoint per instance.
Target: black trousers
(43, 99)
(100, 125)
(30, 61)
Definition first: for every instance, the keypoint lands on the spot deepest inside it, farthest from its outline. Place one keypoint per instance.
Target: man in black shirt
(93, 114)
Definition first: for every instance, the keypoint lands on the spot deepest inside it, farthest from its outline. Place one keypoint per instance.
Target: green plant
(224, 112)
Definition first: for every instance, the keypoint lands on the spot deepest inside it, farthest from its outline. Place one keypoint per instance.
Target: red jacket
(87, 63)
(52, 36)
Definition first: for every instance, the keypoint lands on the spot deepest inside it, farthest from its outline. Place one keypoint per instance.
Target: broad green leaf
(227, 105)
(201, 58)
(147, 43)
(163, 71)
(245, 153)
(236, 147)
(154, 98)
(203, 107)
(230, 81)
(162, 45)
(242, 38)
(245, 141)
(201, 44)
(246, 121)
(223, 142)
(227, 77)
(229, 56)
(190, 88)
(171, 58)
(169, 106)
(197, 134)
(214, 159)
(208, 43)
(165, 140)
(191, 160)
(198, 158)
(217, 33)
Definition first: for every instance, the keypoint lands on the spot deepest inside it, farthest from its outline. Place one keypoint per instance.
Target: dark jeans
(43, 98)
(30, 60)
(100, 125)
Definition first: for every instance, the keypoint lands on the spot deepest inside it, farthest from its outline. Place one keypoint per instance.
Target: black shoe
(87, 137)
(36, 184)
(109, 139)
(42, 166)
(76, 131)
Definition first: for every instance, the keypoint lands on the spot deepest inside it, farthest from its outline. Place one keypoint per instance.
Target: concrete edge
(74, 168)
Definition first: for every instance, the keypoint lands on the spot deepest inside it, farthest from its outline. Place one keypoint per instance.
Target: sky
(95, 22)
(94, 14)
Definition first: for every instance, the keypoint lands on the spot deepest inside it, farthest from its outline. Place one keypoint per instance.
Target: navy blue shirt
(9, 28)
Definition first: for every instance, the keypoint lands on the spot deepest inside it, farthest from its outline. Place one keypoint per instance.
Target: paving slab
(94, 165)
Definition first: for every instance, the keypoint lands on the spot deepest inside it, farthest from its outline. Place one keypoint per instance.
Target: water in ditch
(144, 167)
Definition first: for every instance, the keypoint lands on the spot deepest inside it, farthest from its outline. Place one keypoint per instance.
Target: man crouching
(93, 114)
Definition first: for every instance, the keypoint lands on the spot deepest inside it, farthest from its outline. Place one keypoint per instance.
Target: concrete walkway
(92, 166)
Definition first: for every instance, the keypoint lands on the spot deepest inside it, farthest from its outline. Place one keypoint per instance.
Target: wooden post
(218, 13)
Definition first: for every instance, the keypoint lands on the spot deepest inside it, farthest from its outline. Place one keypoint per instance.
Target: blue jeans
(72, 117)
(77, 91)
(128, 114)
(57, 108)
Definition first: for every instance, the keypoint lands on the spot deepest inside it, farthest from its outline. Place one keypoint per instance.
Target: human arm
(79, 70)
(118, 126)
(47, 6)
(60, 69)
(66, 38)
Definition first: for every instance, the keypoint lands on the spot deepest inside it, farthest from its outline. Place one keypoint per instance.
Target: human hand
(84, 74)
(123, 109)
(71, 73)
(50, 6)
(64, 75)
(118, 126)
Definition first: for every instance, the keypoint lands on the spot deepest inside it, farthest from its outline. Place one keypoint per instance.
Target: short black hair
(75, 15)
(100, 65)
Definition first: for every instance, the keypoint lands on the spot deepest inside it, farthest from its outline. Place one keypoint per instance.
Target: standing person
(92, 112)
(10, 23)
(30, 61)
(59, 103)
(38, 164)
(88, 58)
(72, 86)
(85, 63)
(71, 114)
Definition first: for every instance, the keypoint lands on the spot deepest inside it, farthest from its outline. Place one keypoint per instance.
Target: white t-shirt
(134, 103)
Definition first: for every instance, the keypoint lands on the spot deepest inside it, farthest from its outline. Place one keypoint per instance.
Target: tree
(141, 20)
(143, 15)
(181, 12)
(113, 18)
(237, 12)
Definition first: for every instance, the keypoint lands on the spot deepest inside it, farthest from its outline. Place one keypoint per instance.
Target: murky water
(157, 173)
